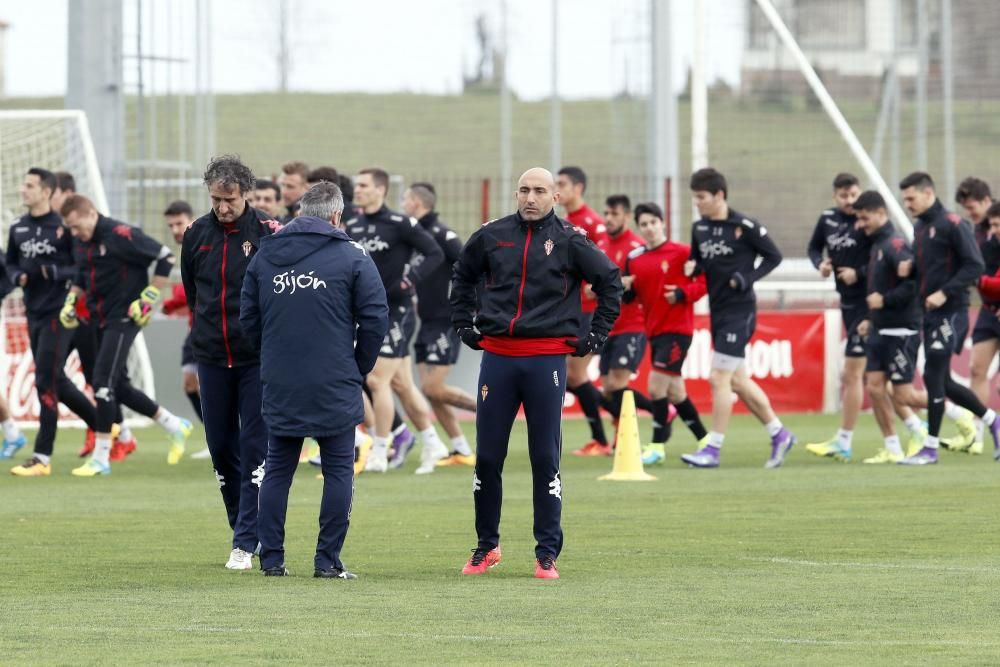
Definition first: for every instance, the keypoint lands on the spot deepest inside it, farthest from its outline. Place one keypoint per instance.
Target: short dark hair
(425, 194)
(320, 174)
(76, 204)
(619, 200)
(427, 185)
(869, 200)
(346, 188)
(845, 180)
(918, 179)
(650, 208)
(379, 175)
(575, 175)
(230, 171)
(972, 188)
(993, 211)
(179, 207)
(264, 184)
(709, 180)
(45, 177)
(65, 181)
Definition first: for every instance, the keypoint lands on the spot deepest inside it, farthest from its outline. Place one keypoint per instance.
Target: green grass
(816, 563)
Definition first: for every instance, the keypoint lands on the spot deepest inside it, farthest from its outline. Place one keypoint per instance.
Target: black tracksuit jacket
(900, 309)
(947, 256)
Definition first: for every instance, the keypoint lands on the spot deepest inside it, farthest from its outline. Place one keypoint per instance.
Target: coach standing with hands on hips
(309, 294)
(527, 319)
(216, 251)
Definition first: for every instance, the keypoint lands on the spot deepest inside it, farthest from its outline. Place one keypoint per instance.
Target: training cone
(628, 457)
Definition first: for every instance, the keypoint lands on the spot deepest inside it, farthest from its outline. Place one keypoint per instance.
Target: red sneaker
(482, 560)
(121, 449)
(594, 448)
(88, 444)
(545, 568)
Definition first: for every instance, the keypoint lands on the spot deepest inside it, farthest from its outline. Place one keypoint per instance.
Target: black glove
(400, 291)
(471, 337)
(593, 342)
(739, 283)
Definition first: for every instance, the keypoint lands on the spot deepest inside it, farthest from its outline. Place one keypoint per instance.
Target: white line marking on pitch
(873, 566)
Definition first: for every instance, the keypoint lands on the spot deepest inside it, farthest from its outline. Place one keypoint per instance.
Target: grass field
(815, 563)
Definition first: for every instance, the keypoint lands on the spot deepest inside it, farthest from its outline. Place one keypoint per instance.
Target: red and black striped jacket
(529, 302)
(214, 259)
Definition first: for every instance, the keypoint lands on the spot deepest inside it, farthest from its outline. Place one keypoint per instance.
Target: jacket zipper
(93, 284)
(524, 275)
(225, 329)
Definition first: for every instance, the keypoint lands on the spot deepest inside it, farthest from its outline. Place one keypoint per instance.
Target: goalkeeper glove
(592, 342)
(470, 337)
(141, 309)
(67, 314)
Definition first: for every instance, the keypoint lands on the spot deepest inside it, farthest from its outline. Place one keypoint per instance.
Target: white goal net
(57, 141)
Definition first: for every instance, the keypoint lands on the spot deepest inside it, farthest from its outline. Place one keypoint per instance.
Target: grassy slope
(817, 563)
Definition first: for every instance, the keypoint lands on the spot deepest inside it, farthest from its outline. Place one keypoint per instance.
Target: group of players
(78, 295)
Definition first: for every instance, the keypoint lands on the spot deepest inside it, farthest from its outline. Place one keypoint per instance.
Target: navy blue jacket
(309, 293)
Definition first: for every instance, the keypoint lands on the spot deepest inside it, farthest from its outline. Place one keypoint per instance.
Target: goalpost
(57, 141)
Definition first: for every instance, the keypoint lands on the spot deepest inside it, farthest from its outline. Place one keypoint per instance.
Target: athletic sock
(980, 429)
(952, 411)
(398, 425)
(102, 449)
(844, 438)
(461, 445)
(642, 402)
(44, 458)
(195, 399)
(988, 418)
(689, 415)
(379, 446)
(168, 420)
(429, 436)
(913, 424)
(893, 446)
(715, 439)
(590, 403)
(613, 403)
(359, 437)
(10, 429)
(661, 429)
(773, 427)
(931, 442)
(124, 434)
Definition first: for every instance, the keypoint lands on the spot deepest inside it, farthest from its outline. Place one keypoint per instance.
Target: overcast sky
(385, 45)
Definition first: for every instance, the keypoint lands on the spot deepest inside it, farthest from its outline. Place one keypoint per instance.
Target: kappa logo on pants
(219, 478)
(555, 378)
(258, 475)
(476, 484)
(555, 487)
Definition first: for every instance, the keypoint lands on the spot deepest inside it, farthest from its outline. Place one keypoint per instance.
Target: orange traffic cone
(628, 455)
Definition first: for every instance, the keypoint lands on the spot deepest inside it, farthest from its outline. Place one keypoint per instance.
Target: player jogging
(726, 247)
(656, 280)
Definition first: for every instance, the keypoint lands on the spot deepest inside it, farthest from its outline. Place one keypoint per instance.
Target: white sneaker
(202, 455)
(431, 453)
(240, 560)
(377, 461)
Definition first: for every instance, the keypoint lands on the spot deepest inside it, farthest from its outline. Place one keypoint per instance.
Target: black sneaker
(279, 571)
(333, 573)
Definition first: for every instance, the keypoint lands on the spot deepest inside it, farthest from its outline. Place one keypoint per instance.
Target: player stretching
(437, 343)
(948, 262)
(572, 184)
(391, 239)
(726, 245)
(892, 323)
(112, 260)
(655, 276)
(40, 261)
(975, 197)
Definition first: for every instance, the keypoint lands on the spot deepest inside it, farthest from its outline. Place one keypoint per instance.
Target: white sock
(892, 444)
(952, 411)
(931, 442)
(102, 449)
(359, 437)
(124, 434)
(913, 424)
(380, 446)
(980, 428)
(10, 430)
(461, 445)
(429, 436)
(844, 438)
(168, 420)
(988, 418)
(399, 429)
(715, 439)
(773, 427)
(44, 458)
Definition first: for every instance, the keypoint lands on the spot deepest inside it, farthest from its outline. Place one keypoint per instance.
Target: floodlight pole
(555, 111)
(506, 167)
(947, 95)
(662, 158)
(895, 210)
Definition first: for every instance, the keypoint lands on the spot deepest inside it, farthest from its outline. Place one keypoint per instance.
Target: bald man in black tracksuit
(526, 319)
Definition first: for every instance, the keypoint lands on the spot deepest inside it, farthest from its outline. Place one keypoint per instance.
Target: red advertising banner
(785, 357)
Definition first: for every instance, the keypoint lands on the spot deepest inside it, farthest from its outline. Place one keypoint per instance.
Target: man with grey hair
(312, 278)
(437, 345)
(216, 252)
